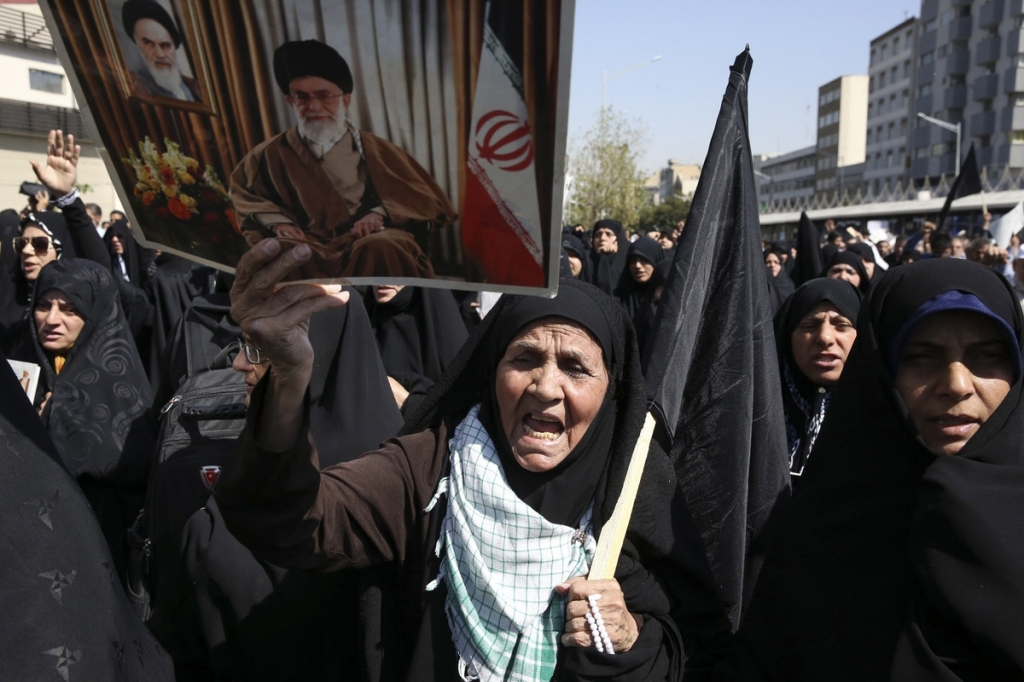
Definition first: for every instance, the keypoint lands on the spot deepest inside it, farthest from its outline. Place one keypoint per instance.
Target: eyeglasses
(322, 96)
(39, 244)
(253, 354)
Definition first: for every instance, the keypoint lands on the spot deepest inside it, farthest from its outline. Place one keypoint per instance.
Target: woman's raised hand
(619, 624)
(275, 317)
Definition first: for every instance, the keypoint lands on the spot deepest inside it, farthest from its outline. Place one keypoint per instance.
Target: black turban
(134, 10)
(302, 58)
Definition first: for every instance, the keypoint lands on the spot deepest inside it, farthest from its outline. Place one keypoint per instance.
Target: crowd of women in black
(418, 493)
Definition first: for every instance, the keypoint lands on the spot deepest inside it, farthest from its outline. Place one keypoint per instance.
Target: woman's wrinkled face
(821, 343)
(774, 265)
(32, 261)
(845, 272)
(550, 385)
(640, 268)
(58, 322)
(955, 371)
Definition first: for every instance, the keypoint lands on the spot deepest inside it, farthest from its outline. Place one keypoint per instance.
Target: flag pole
(609, 545)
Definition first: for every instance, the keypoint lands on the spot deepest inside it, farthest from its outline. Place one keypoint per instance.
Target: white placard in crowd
(1006, 226)
(28, 376)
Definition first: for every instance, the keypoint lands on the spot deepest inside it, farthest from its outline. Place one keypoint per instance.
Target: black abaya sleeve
(88, 244)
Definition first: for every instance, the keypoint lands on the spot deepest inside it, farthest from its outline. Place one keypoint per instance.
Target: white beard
(321, 136)
(168, 80)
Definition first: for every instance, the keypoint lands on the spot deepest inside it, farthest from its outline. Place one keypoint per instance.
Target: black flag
(968, 182)
(719, 401)
(808, 252)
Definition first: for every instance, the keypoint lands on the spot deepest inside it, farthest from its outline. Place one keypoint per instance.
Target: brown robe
(282, 181)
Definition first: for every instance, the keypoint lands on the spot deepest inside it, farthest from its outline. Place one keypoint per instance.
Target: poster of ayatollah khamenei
(405, 141)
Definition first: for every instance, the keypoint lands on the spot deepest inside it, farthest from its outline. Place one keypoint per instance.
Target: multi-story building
(842, 126)
(890, 115)
(787, 176)
(36, 98)
(970, 71)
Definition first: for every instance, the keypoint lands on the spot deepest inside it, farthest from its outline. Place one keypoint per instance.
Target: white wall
(17, 150)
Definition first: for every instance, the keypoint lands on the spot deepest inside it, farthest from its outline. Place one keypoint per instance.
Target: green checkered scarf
(501, 563)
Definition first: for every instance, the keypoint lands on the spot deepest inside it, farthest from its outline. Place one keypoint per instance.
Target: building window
(906, 69)
(881, 80)
(922, 152)
(927, 58)
(938, 149)
(1016, 136)
(45, 81)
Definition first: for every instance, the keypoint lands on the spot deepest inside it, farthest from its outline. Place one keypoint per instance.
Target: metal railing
(39, 119)
(25, 29)
(992, 180)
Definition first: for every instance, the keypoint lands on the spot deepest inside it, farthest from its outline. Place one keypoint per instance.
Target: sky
(796, 45)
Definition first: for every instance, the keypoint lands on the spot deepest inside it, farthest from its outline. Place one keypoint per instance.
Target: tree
(665, 215)
(607, 182)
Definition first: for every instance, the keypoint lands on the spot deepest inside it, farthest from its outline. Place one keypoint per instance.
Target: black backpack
(198, 428)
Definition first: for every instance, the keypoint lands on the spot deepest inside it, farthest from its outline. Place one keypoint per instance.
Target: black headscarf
(867, 255)
(893, 562)
(419, 332)
(659, 535)
(606, 268)
(573, 244)
(131, 256)
(643, 321)
(18, 295)
(99, 414)
(805, 403)
(12, 283)
(631, 293)
(67, 615)
(782, 281)
(856, 262)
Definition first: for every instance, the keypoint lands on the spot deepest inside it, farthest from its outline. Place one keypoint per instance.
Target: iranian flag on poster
(501, 217)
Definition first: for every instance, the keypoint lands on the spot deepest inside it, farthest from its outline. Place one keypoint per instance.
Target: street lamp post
(947, 126)
(619, 74)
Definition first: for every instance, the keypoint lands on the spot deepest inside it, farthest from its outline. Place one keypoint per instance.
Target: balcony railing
(25, 29)
(38, 119)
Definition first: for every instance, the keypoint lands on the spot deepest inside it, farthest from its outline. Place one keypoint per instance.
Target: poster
(28, 376)
(405, 141)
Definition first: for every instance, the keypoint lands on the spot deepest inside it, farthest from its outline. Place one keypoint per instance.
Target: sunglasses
(40, 244)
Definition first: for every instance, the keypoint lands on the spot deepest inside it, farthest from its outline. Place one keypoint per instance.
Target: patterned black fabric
(65, 615)
(98, 415)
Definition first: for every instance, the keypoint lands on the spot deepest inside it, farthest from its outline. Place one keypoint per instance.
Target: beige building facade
(37, 97)
(842, 130)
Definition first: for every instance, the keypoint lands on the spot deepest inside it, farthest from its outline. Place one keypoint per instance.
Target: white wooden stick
(614, 531)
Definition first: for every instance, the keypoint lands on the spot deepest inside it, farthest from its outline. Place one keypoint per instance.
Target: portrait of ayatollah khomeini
(157, 38)
(363, 205)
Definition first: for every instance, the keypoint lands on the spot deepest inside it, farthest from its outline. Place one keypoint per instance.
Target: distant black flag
(719, 400)
(808, 252)
(968, 182)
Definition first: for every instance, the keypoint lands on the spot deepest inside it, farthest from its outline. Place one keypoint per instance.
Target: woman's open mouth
(542, 427)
